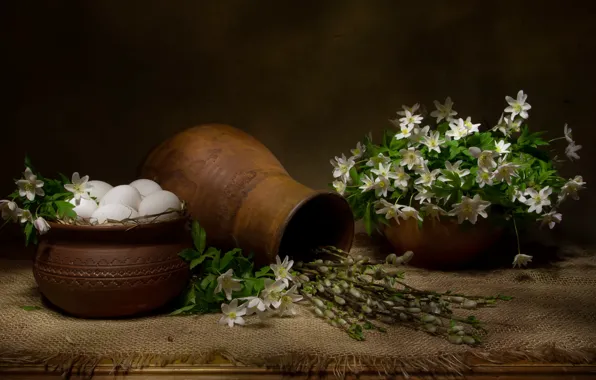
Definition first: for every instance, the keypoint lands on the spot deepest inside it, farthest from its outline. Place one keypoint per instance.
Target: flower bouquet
(435, 171)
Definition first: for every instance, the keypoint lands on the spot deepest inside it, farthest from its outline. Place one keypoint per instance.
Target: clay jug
(243, 197)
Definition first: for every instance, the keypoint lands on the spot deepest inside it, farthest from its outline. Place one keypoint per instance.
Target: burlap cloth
(551, 319)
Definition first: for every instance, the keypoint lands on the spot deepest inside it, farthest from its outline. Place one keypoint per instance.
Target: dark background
(92, 86)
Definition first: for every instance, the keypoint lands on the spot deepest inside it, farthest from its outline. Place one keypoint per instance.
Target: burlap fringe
(340, 366)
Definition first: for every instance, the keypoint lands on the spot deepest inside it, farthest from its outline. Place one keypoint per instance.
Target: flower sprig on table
(454, 170)
(352, 293)
(38, 200)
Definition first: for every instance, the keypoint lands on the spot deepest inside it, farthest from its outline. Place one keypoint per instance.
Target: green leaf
(189, 254)
(228, 257)
(28, 163)
(368, 326)
(182, 310)
(355, 332)
(354, 175)
(197, 261)
(28, 233)
(191, 296)
(64, 179)
(30, 308)
(216, 259)
(207, 281)
(65, 209)
(263, 271)
(199, 236)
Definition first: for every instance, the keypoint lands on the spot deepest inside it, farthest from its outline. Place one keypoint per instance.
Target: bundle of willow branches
(357, 294)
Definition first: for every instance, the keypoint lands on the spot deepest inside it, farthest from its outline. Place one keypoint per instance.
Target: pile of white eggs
(142, 200)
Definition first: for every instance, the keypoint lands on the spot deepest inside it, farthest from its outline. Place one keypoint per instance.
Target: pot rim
(115, 227)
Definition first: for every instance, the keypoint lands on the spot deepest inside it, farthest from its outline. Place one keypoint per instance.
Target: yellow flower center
(283, 272)
(381, 184)
(232, 315)
(29, 187)
(467, 208)
(286, 299)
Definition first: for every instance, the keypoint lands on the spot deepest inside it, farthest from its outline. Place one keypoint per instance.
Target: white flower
(521, 260)
(418, 134)
(470, 208)
(404, 132)
(518, 106)
(384, 171)
(504, 172)
(484, 178)
(410, 157)
(271, 294)
(433, 142)
(41, 225)
(228, 284)
(518, 195)
(423, 195)
(232, 313)
(342, 166)
(537, 199)
(288, 298)
(410, 119)
(282, 270)
(454, 168)
(407, 212)
(567, 133)
(255, 305)
(79, 187)
(551, 218)
(571, 188)
(412, 109)
(501, 147)
(457, 129)
(432, 210)
(571, 151)
(25, 216)
(378, 159)
(340, 187)
(486, 158)
(402, 179)
(444, 111)
(10, 210)
(390, 210)
(358, 151)
(30, 186)
(382, 186)
(367, 182)
(501, 126)
(471, 128)
(427, 177)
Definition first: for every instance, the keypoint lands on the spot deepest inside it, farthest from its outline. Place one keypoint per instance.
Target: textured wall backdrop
(92, 86)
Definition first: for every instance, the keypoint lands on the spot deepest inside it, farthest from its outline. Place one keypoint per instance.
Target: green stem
(555, 139)
(5, 223)
(516, 235)
(411, 197)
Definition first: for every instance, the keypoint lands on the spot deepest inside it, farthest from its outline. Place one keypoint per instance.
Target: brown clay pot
(243, 197)
(441, 245)
(112, 271)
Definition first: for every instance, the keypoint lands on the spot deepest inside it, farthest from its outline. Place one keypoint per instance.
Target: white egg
(114, 211)
(99, 189)
(145, 186)
(159, 202)
(124, 195)
(85, 208)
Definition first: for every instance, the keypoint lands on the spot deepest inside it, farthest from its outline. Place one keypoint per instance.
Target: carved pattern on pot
(106, 273)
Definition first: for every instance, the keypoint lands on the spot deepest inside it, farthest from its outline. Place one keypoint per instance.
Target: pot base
(107, 272)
